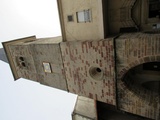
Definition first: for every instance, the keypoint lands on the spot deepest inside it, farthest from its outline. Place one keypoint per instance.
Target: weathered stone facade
(91, 64)
(133, 50)
(83, 67)
(29, 56)
(101, 69)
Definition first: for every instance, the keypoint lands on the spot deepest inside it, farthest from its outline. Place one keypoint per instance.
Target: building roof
(3, 55)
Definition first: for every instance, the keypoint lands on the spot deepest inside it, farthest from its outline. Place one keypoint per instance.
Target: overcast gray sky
(24, 99)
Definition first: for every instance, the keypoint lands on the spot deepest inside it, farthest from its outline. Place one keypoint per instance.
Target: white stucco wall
(82, 31)
(85, 109)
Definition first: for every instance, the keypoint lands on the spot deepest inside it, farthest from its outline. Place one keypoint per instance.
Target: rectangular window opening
(47, 67)
(70, 18)
(84, 16)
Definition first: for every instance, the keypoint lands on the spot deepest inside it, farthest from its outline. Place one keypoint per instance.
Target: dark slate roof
(3, 55)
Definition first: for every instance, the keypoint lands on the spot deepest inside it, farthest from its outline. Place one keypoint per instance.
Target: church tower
(39, 60)
(109, 52)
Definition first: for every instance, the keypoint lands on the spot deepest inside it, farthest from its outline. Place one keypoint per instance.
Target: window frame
(84, 16)
(47, 67)
(21, 62)
(70, 20)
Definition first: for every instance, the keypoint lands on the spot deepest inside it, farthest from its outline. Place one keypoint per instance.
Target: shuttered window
(84, 16)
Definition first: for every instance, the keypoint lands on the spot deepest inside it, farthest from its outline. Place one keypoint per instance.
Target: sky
(25, 99)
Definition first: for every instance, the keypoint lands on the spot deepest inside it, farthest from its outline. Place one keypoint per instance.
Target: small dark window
(23, 64)
(154, 8)
(21, 58)
(70, 18)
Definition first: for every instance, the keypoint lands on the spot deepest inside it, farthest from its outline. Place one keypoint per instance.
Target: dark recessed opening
(152, 32)
(154, 66)
(98, 70)
(149, 85)
(23, 64)
(21, 58)
(128, 29)
(144, 76)
(154, 8)
(96, 73)
(70, 18)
